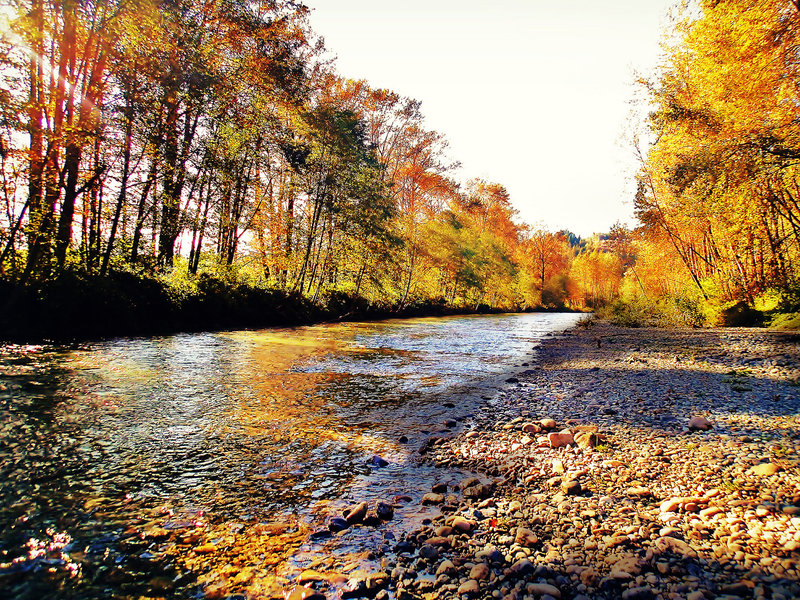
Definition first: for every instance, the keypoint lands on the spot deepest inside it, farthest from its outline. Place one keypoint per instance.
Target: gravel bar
(620, 463)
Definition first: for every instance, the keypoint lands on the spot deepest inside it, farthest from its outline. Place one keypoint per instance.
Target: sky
(532, 94)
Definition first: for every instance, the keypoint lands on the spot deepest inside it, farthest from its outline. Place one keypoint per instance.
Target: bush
(664, 312)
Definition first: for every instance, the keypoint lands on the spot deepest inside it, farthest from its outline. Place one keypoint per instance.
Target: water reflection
(134, 465)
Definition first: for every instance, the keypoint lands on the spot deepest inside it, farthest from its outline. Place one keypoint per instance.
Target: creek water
(167, 466)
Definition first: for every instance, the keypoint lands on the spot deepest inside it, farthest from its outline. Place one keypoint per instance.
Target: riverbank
(78, 307)
(639, 506)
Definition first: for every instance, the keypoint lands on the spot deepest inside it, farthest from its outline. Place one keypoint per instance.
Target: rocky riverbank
(590, 482)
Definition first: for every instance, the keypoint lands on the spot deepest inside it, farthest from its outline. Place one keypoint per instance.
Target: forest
(160, 157)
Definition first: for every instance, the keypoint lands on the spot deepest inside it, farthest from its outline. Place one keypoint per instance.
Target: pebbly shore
(619, 463)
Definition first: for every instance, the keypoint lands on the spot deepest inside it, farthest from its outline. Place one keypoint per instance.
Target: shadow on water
(164, 466)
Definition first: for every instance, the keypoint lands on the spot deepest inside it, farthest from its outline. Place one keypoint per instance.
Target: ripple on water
(136, 464)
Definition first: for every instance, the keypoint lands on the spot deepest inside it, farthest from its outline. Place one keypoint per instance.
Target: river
(165, 466)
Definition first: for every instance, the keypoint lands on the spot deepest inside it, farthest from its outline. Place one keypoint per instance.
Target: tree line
(718, 189)
(181, 137)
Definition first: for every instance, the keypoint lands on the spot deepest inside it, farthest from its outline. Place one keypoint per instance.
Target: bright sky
(532, 94)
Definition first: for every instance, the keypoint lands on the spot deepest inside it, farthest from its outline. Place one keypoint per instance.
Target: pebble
(646, 510)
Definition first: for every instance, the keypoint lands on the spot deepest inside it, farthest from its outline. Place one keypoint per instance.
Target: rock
(557, 440)
(558, 466)
(443, 531)
(764, 469)
(698, 423)
(468, 482)
(522, 567)
(301, 593)
(479, 572)
(477, 491)
(586, 440)
(356, 514)
(472, 435)
(205, 549)
(338, 524)
(384, 510)
(403, 439)
(462, 525)
(531, 428)
(626, 568)
(571, 488)
(438, 541)
(638, 593)
(670, 505)
(639, 492)
(491, 554)
(439, 488)
(432, 498)
(377, 461)
(377, 581)
(450, 423)
(428, 551)
(666, 543)
(446, 567)
(739, 588)
(470, 586)
(310, 576)
(525, 537)
(540, 589)
(547, 424)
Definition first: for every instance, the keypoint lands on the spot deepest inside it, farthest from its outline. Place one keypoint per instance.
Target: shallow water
(150, 466)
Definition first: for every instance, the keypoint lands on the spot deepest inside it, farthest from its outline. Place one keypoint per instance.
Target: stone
(438, 541)
(384, 510)
(571, 488)
(310, 576)
(479, 572)
(560, 439)
(548, 423)
(463, 525)
(338, 524)
(698, 423)
(468, 482)
(439, 488)
(432, 498)
(525, 537)
(428, 551)
(531, 428)
(670, 505)
(356, 514)
(446, 567)
(470, 586)
(666, 543)
(558, 466)
(638, 593)
(764, 469)
(541, 589)
(301, 593)
(377, 461)
(586, 440)
(521, 567)
(477, 491)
